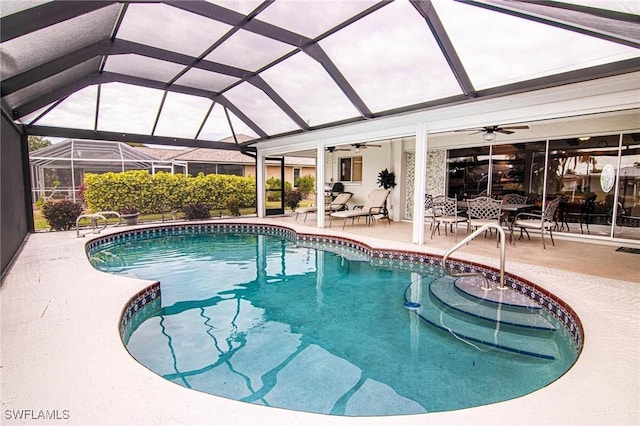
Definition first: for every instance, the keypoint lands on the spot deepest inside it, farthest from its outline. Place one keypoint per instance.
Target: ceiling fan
(359, 146)
(332, 149)
(490, 131)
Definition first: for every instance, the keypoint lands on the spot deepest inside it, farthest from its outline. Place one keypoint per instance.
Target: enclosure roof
(90, 151)
(191, 73)
(200, 155)
(107, 153)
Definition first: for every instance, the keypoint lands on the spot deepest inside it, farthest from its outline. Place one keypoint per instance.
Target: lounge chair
(375, 205)
(338, 204)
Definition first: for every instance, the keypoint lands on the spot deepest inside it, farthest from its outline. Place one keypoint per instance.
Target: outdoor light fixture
(489, 136)
(584, 138)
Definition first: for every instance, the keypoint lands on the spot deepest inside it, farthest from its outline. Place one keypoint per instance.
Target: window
(230, 169)
(212, 168)
(351, 169)
(204, 168)
(296, 176)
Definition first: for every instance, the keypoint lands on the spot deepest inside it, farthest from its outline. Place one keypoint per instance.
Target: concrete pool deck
(62, 356)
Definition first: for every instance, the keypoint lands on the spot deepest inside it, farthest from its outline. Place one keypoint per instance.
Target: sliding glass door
(598, 178)
(627, 211)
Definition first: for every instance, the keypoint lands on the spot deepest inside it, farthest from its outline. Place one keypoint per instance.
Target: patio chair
(428, 208)
(512, 198)
(376, 204)
(339, 203)
(482, 211)
(543, 222)
(587, 212)
(445, 211)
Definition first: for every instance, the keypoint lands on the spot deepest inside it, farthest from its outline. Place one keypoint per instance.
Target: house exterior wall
(250, 171)
(274, 171)
(374, 160)
(304, 171)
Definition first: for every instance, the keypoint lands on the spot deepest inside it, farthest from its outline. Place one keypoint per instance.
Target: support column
(420, 184)
(320, 184)
(397, 167)
(260, 184)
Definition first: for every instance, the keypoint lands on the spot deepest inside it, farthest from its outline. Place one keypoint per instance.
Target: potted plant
(130, 214)
(386, 179)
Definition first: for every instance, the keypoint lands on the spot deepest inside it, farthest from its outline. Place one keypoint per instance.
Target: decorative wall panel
(436, 176)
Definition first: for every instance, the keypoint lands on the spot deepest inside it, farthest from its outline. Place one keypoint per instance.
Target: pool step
(497, 306)
(513, 327)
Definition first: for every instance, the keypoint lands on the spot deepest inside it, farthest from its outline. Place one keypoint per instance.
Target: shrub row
(163, 192)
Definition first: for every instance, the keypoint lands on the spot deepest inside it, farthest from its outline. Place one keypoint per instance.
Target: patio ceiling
(191, 73)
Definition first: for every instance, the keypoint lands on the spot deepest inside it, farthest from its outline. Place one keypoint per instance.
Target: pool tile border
(149, 297)
(140, 306)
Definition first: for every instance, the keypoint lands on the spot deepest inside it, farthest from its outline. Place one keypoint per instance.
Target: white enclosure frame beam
(260, 184)
(420, 183)
(320, 179)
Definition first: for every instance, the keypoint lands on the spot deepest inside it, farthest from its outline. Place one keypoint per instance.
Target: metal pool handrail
(470, 237)
(94, 221)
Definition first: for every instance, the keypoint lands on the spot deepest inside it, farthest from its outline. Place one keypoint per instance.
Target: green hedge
(164, 192)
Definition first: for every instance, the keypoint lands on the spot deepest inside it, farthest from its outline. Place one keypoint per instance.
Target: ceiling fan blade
(476, 130)
(374, 146)
(515, 127)
(506, 132)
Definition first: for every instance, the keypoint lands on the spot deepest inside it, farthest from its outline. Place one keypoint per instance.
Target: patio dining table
(511, 210)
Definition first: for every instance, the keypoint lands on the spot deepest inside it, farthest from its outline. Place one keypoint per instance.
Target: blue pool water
(262, 319)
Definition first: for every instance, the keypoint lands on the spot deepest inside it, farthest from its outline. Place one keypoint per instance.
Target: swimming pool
(280, 319)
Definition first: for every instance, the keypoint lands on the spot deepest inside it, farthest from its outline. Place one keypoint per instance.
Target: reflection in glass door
(627, 209)
(583, 171)
(598, 178)
(468, 172)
